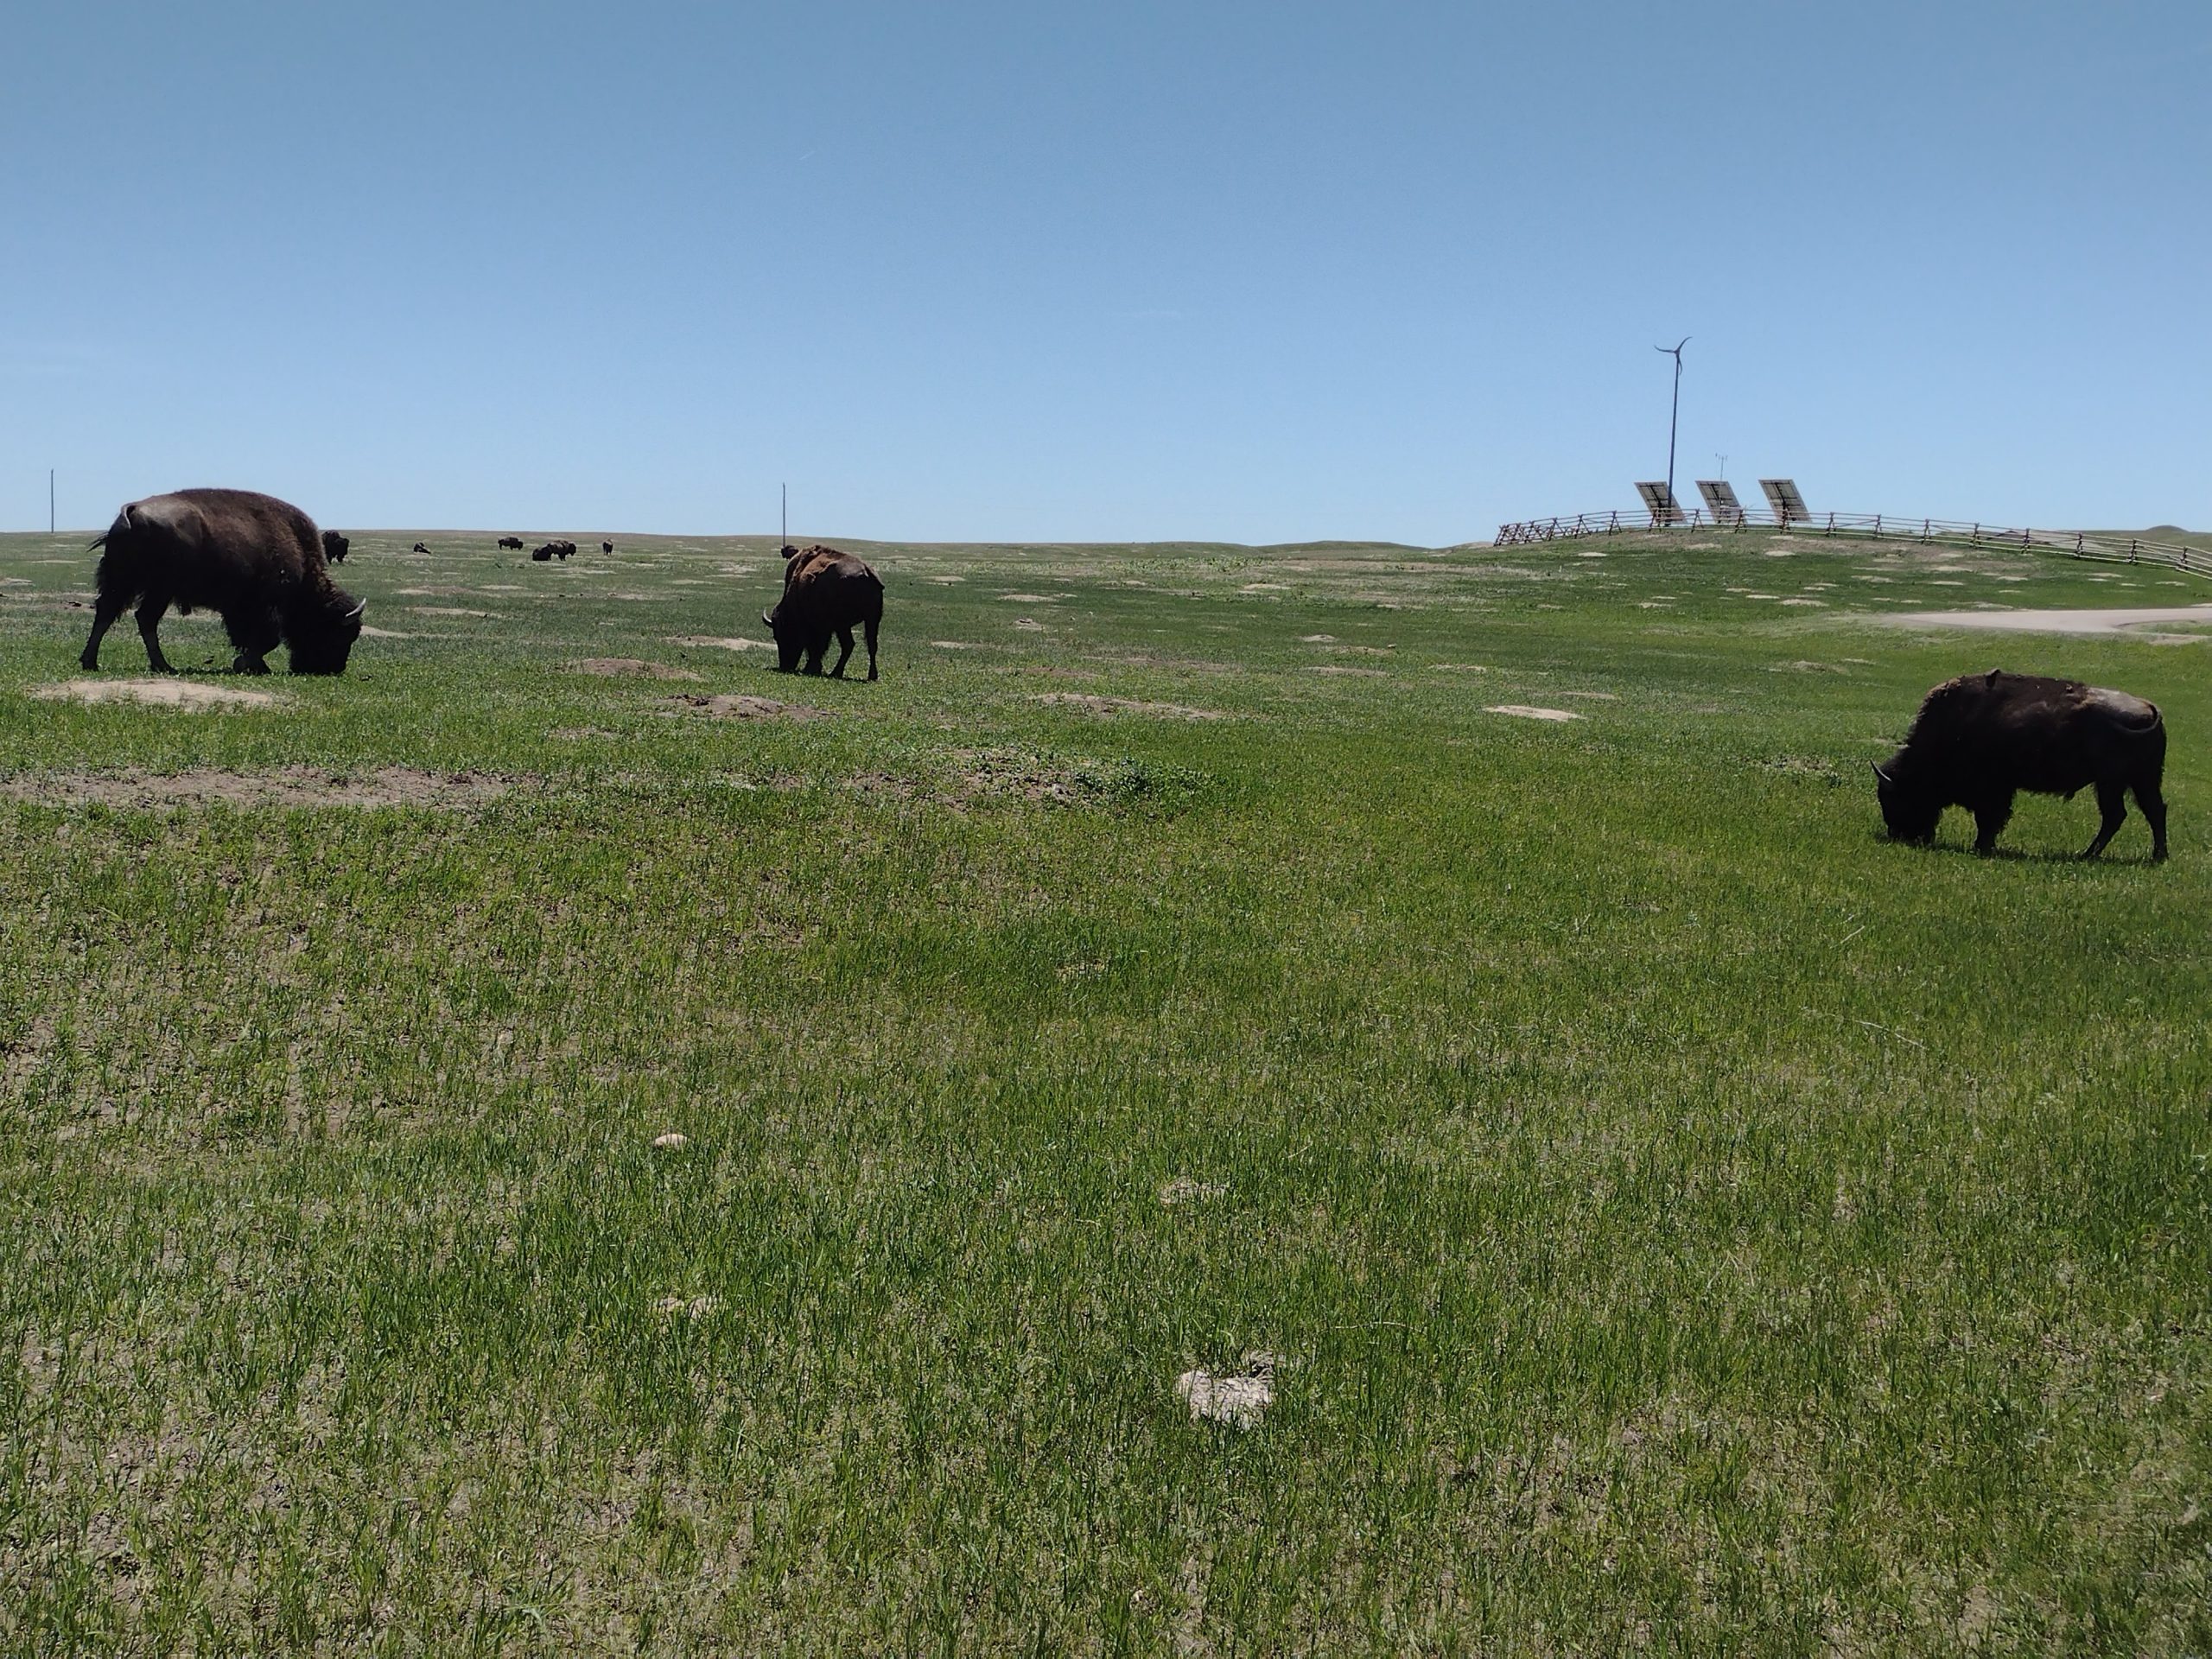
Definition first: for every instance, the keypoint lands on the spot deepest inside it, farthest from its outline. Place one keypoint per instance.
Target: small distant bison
(825, 592)
(606, 547)
(513, 541)
(553, 550)
(335, 547)
(1979, 739)
(257, 562)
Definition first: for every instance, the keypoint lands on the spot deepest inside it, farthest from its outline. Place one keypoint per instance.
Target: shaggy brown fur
(256, 560)
(1979, 739)
(825, 592)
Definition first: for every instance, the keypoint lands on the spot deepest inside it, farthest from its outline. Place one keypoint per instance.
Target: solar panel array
(1659, 501)
(1788, 506)
(1720, 500)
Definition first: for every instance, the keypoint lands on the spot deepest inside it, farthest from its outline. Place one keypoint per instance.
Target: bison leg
(255, 632)
(869, 629)
(151, 612)
(1990, 817)
(844, 651)
(104, 615)
(815, 650)
(2112, 807)
(2154, 811)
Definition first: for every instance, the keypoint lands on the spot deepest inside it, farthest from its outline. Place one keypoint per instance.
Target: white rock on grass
(1238, 1398)
(671, 1141)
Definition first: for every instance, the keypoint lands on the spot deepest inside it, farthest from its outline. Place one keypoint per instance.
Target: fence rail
(2074, 544)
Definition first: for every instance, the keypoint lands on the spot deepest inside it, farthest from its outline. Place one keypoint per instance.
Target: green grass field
(1685, 1222)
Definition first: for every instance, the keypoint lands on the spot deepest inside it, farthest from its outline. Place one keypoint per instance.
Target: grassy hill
(1671, 1214)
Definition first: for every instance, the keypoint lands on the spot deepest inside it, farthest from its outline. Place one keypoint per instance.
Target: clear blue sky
(1256, 272)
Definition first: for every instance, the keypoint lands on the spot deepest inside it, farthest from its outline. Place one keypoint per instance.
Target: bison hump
(2120, 708)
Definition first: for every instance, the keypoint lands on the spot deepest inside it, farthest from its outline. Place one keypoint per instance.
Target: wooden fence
(2074, 544)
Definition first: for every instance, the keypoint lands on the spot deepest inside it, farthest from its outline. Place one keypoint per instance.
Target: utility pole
(49, 500)
(1675, 352)
(1723, 460)
(787, 516)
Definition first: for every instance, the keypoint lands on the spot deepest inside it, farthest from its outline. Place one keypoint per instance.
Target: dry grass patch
(410, 786)
(737, 705)
(1105, 707)
(167, 692)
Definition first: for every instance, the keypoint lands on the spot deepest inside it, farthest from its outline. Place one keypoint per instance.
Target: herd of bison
(263, 567)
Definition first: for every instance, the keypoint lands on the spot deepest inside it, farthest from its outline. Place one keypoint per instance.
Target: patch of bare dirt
(737, 705)
(452, 610)
(1334, 668)
(2115, 620)
(284, 786)
(168, 691)
(617, 667)
(1525, 711)
(1109, 706)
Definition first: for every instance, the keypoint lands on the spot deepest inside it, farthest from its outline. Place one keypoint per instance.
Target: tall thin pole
(1675, 352)
(787, 514)
(49, 500)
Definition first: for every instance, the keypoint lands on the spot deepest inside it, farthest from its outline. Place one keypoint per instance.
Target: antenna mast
(1675, 352)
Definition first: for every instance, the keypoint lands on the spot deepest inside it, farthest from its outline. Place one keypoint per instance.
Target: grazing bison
(254, 560)
(514, 542)
(553, 550)
(419, 548)
(825, 592)
(1978, 739)
(335, 547)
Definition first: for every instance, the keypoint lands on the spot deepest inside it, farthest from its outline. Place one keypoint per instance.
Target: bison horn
(354, 614)
(766, 620)
(1879, 773)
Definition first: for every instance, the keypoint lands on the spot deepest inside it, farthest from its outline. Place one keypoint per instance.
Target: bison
(513, 541)
(256, 560)
(606, 547)
(419, 548)
(552, 551)
(1979, 739)
(825, 592)
(335, 547)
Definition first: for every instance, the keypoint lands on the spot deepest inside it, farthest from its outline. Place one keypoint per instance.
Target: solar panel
(1659, 501)
(1788, 506)
(1720, 500)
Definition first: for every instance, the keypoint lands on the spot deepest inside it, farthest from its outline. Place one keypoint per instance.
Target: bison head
(323, 638)
(790, 647)
(1908, 815)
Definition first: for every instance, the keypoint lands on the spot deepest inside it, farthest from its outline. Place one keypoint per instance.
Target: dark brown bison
(254, 560)
(1979, 739)
(552, 551)
(514, 542)
(606, 547)
(335, 547)
(825, 592)
(419, 548)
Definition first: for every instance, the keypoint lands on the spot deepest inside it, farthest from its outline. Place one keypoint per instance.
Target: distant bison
(419, 548)
(1978, 739)
(335, 547)
(514, 542)
(606, 547)
(553, 550)
(257, 562)
(825, 592)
